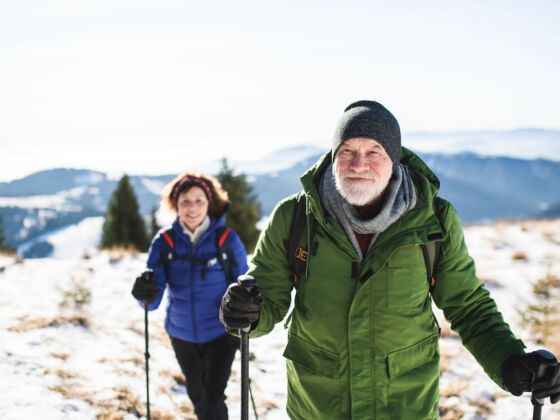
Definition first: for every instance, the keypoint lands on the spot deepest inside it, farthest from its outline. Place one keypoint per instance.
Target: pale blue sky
(157, 86)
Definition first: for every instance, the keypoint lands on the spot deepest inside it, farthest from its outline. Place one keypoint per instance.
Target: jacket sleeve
(467, 304)
(269, 266)
(155, 263)
(239, 255)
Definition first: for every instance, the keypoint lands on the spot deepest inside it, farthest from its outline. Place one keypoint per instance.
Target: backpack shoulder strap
(432, 250)
(169, 236)
(222, 252)
(297, 248)
(167, 246)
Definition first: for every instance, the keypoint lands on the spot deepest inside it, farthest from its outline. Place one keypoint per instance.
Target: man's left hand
(537, 372)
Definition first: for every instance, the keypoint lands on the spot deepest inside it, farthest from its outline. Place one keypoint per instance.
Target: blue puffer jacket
(194, 299)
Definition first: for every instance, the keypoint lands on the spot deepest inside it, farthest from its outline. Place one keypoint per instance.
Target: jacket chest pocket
(406, 280)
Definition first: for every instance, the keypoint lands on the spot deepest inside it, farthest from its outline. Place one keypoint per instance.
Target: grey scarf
(400, 196)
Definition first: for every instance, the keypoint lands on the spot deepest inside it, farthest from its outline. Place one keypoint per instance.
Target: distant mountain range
(482, 188)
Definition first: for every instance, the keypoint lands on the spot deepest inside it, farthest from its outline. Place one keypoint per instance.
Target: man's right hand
(145, 287)
(240, 307)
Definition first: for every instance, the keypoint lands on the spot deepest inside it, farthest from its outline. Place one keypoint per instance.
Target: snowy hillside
(72, 337)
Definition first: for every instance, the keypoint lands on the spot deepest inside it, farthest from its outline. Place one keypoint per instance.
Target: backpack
(299, 249)
(223, 256)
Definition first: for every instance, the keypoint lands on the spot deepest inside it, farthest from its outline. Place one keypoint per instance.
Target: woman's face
(192, 207)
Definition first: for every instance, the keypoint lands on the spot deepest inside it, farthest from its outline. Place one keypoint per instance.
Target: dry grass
(137, 327)
(28, 324)
(117, 253)
(124, 401)
(10, 253)
(77, 296)
(452, 412)
(62, 373)
(483, 408)
(519, 256)
(124, 371)
(187, 410)
(177, 376)
(60, 355)
(266, 405)
(542, 317)
(71, 391)
(163, 415)
(135, 360)
(445, 359)
(455, 389)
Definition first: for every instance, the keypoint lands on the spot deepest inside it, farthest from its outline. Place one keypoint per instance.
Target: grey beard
(355, 197)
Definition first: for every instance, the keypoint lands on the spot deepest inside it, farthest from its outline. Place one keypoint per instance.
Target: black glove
(240, 307)
(145, 287)
(537, 372)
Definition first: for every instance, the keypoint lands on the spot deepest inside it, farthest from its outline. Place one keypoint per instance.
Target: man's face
(362, 170)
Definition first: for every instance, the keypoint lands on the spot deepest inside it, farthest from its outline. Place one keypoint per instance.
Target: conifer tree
(244, 211)
(3, 245)
(124, 226)
(154, 225)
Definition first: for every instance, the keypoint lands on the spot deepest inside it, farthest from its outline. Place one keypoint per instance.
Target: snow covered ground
(72, 343)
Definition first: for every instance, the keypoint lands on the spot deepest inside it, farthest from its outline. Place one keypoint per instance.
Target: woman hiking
(195, 259)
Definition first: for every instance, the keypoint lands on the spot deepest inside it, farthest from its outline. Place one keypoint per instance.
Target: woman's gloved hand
(145, 287)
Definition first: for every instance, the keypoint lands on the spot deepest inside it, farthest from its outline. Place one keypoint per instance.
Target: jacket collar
(418, 225)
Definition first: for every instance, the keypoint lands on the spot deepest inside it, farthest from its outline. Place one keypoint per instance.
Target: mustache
(352, 174)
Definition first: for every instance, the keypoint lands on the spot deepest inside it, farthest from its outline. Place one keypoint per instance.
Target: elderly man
(363, 341)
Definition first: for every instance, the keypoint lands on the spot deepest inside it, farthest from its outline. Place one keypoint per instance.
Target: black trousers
(207, 367)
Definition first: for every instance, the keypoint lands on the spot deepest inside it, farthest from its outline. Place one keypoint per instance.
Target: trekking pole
(247, 282)
(539, 402)
(147, 357)
(253, 401)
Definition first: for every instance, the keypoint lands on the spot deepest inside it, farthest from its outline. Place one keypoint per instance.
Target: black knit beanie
(370, 120)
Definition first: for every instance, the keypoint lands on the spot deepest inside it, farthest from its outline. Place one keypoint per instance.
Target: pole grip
(247, 282)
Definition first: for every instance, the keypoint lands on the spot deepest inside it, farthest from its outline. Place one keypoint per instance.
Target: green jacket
(366, 347)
